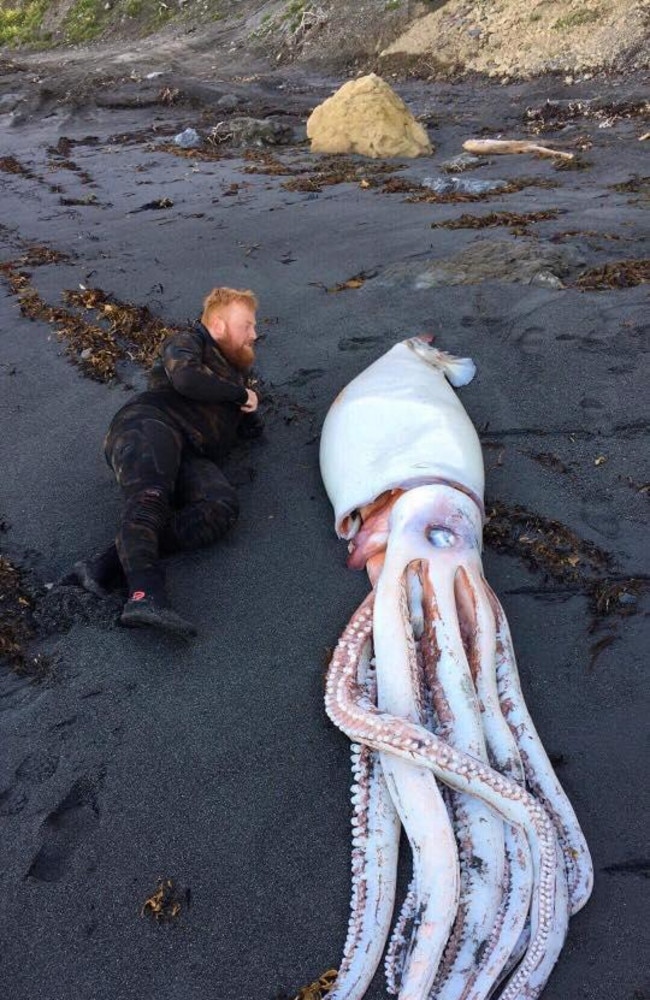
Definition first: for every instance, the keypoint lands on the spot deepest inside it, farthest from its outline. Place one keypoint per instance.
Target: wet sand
(213, 764)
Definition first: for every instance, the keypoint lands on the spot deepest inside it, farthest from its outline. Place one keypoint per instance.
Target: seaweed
(167, 902)
(516, 219)
(617, 274)
(17, 625)
(119, 331)
(11, 165)
(553, 115)
(549, 547)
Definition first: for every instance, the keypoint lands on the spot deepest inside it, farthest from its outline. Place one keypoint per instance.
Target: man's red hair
(220, 297)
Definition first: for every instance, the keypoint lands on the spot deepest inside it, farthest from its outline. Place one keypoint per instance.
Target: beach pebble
(461, 185)
(228, 102)
(546, 279)
(462, 162)
(188, 139)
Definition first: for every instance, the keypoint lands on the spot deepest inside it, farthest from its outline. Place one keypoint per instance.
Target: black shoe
(83, 575)
(148, 611)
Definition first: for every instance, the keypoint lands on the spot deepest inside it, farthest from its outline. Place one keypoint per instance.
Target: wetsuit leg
(206, 506)
(145, 454)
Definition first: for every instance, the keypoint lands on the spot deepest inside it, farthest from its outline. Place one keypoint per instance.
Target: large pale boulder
(366, 116)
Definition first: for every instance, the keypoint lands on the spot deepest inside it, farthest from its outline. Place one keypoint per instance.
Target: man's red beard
(241, 358)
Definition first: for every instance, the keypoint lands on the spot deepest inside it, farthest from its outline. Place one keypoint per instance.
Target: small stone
(546, 279)
(188, 139)
(228, 102)
(86, 353)
(464, 161)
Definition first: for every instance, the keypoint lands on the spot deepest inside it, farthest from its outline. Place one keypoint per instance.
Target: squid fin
(458, 371)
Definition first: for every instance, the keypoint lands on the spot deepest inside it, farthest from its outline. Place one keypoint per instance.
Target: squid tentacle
(396, 952)
(376, 831)
(479, 830)
(414, 790)
(540, 776)
(352, 712)
(477, 623)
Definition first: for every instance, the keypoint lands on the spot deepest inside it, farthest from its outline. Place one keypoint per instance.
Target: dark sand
(213, 764)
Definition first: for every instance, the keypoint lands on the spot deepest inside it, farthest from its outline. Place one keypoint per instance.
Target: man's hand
(251, 403)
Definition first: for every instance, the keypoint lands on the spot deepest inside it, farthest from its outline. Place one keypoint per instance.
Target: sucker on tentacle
(446, 745)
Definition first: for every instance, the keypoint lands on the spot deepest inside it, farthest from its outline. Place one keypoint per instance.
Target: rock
(524, 261)
(546, 279)
(188, 139)
(462, 185)
(366, 116)
(9, 102)
(228, 102)
(464, 161)
(253, 132)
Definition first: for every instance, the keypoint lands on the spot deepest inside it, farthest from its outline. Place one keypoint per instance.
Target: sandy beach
(131, 758)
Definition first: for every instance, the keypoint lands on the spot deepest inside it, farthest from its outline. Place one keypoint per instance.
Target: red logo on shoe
(137, 595)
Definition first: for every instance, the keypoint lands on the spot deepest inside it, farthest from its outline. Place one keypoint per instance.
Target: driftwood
(483, 146)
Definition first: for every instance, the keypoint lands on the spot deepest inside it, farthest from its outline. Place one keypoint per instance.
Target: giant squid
(424, 682)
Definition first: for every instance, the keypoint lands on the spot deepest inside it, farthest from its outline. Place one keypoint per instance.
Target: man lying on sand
(166, 447)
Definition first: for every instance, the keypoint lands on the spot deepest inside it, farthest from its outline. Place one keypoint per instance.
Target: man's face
(237, 340)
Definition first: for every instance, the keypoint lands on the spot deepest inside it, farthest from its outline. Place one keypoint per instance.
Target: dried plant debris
(422, 193)
(143, 136)
(517, 220)
(569, 234)
(577, 163)
(35, 255)
(17, 625)
(210, 153)
(11, 165)
(549, 461)
(340, 170)
(89, 199)
(157, 204)
(356, 281)
(553, 115)
(118, 332)
(549, 547)
(617, 274)
(133, 332)
(636, 185)
(263, 162)
(320, 988)
(167, 902)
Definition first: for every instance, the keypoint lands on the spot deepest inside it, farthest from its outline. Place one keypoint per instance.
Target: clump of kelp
(317, 990)
(617, 274)
(339, 170)
(421, 193)
(99, 331)
(11, 165)
(167, 902)
(554, 115)
(518, 221)
(550, 548)
(17, 626)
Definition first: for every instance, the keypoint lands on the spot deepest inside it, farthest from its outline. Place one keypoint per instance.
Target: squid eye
(441, 538)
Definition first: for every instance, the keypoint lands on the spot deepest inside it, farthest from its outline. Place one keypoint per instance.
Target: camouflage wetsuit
(165, 447)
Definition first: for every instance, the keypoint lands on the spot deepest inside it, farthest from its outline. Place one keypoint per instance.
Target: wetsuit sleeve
(183, 361)
(250, 426)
